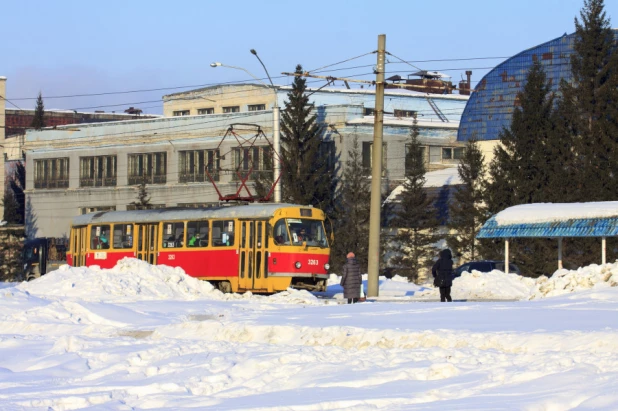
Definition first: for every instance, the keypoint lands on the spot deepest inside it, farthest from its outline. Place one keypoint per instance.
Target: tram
(262, 248)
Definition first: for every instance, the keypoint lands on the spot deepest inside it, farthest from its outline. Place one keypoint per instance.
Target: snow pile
(569, 281)
(501, 286)
(131, 279)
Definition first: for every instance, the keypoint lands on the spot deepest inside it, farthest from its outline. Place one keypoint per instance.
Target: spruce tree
(467, 213)
(352, 230)
(415, 219)
(308, 175)
(525, 170)
(38, 122)
(591, 102)
(143, 199)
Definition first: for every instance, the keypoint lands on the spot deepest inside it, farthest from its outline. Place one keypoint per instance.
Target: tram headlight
(297, 264)
(326, 266)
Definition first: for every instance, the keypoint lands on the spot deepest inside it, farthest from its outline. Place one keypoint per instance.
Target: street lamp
(276, 137)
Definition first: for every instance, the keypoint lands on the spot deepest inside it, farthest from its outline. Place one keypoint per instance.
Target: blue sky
(78, 47)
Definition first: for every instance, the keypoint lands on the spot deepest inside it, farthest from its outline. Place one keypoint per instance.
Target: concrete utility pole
(376, 175)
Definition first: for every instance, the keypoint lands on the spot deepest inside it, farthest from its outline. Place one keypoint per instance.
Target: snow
(446, 177)
(144, 337)
(550, 212)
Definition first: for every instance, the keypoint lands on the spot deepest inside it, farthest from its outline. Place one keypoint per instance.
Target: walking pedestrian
(351, 280)
(442, 272)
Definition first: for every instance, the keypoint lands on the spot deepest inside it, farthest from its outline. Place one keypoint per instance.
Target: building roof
(491, 106)
(595, 219)
(446, 177)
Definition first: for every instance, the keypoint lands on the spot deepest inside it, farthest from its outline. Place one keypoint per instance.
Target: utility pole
(376, 175)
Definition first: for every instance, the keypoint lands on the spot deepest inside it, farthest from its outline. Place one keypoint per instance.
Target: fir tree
(308, 175)
(38, 122)
(11, 209)
(352, 231)
(143, 199)
(415, 218)
(527, 168)
(467, 212)
(590, 105)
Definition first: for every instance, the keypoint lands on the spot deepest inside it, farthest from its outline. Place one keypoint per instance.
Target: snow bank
(132, 279)
(498, 285)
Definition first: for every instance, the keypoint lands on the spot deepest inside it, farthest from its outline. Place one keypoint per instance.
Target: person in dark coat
(442, 272)
(351, 280)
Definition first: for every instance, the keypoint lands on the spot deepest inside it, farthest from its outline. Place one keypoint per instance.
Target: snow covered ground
(142, 337)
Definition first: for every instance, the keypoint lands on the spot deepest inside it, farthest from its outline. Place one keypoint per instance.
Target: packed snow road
(142, 337)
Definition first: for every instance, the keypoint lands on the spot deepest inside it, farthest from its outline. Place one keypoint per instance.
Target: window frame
(138, 163)
(206, 110)
(256, 107)
(98, 171)
(192, 162)
(231, 109)
(181, 113)
(51, 172)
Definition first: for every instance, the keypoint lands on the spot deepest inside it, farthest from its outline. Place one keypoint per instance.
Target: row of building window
(151, 168)
(194, 166)
(211, 110)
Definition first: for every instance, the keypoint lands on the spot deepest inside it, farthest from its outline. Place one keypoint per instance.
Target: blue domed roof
(491, 105)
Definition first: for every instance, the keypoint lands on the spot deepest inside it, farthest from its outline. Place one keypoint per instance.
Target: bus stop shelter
(554, 220)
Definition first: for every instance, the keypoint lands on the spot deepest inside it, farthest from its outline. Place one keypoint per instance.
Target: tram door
(252, 256)
(79, 246)
(147, 242)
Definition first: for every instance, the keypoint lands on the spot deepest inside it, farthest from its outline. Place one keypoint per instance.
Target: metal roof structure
(573, 227)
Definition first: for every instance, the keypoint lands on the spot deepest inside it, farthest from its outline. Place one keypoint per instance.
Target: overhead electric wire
(342, 61)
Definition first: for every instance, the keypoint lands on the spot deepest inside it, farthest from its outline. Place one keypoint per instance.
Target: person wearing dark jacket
(351, 279)
(442, 272)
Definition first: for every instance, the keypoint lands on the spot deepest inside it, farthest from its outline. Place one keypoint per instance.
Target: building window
(257, 159)
(97, 171)
(408, 164)
(452, 153)
(405, 113)
(86, 210)
(194, 163)
(180, 113)
(368, 157)
(369, 111)
(233, 109)
(149, 168)
(51, 173)
(209, 110)
(257, 107)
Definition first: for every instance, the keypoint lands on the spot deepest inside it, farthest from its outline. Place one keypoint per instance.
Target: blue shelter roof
(573, 227)
(592, 219)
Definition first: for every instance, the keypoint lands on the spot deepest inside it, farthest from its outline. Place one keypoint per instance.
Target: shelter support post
(603, 249)
(506, 255)
(560, 253)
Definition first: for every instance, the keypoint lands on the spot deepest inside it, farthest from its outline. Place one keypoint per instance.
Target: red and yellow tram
(262, 248)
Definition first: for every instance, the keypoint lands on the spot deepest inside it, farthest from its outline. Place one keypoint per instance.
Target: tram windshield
(296, 231)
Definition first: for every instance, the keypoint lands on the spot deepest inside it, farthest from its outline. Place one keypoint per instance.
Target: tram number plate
(100, 255)
(313, 262)
(171, 256)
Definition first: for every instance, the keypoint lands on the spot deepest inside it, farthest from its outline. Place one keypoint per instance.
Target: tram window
(222, 233)
(123, 236)
(197, 234)
(307, 231)
(173, 235)
(99, 237)
(280, 233)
